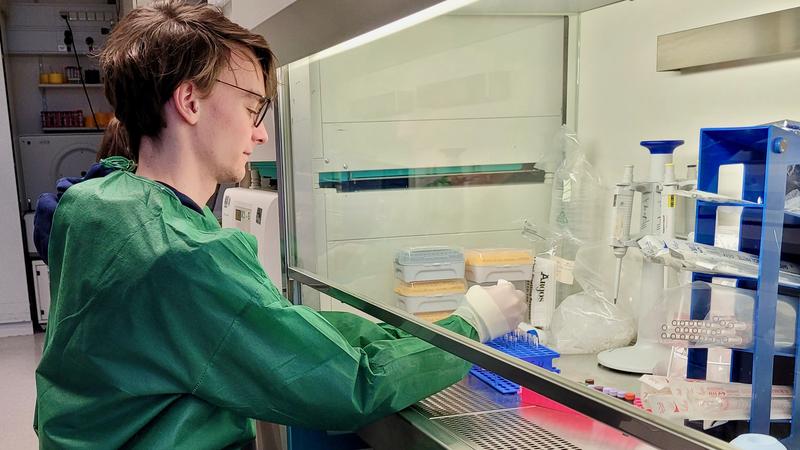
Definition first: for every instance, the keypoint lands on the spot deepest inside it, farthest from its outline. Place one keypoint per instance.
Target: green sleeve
(360, 332)
(291, 365)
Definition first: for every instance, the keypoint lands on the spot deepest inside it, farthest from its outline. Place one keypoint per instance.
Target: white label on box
(544, 292)
(564, 270)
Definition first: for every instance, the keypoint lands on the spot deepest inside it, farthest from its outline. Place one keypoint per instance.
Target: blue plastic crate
(538, 355)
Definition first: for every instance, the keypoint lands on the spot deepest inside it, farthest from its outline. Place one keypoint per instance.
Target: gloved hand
(494, 310)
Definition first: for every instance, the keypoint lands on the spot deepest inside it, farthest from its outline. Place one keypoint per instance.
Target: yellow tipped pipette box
(491, 265)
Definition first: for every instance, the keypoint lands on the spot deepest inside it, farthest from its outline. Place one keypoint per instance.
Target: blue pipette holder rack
(537, 355)
(766, 153)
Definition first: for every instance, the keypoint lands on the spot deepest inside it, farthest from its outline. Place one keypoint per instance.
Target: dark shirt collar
(185, 201)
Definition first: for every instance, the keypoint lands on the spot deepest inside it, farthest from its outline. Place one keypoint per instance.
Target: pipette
(622, 210)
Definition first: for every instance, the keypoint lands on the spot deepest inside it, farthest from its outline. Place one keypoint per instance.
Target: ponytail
(115, 142)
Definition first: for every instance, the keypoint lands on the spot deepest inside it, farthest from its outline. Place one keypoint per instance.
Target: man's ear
(186, 100)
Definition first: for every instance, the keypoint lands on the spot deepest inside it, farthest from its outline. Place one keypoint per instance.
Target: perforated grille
(504, 430)
(455, 400)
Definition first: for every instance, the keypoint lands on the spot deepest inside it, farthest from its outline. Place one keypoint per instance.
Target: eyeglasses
(263, 103)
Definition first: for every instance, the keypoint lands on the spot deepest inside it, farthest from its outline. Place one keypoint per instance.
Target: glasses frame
(264, 102)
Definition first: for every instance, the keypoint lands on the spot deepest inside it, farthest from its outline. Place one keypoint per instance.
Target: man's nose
(260, 134)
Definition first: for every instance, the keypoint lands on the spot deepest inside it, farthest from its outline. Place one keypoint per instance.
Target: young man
(164, 331)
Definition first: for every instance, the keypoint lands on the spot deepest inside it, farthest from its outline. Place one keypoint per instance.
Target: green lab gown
(165, 332)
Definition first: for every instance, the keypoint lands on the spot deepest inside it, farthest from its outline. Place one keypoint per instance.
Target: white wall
(249, 13)
(14, 309)
(623, 100)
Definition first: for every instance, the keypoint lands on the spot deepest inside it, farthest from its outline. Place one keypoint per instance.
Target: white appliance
(41, 285)
(255, 211)
(48, 157)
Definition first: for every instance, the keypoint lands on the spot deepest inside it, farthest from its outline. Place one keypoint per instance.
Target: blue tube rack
(766, 153)
(539, 355)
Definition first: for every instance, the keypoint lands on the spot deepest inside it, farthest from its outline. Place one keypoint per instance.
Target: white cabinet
(41, 283)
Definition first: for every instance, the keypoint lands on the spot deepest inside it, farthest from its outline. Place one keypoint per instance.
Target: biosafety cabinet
(421, 148)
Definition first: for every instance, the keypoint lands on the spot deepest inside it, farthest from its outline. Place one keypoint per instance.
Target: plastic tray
(416, 305)
(491, 274)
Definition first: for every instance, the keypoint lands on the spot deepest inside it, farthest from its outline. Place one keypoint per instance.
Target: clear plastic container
(729, 324)
(429, 263)
(430, 288)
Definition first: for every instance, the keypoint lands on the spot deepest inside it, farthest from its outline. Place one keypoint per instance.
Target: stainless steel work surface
(580, 367)
(472, 415)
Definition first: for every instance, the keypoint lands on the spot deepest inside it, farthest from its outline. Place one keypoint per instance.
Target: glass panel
(440, 134)
(422, 163)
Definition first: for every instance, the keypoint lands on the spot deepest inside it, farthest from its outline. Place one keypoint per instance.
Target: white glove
(494, 310)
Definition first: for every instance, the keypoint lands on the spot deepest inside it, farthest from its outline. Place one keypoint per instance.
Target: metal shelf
(72, 130)
(69, 85)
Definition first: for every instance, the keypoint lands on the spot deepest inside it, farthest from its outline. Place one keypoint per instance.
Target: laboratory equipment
(492, 265)
(429, 263)
(622, 209)
(46, 158)
(429, 280)
(710, 259)
(681, 398)
(755, 441)
(41, 285)
(430, 288)
(255, 211)
(647, 352)
(523, 345)
(430, 304)
(430, 296)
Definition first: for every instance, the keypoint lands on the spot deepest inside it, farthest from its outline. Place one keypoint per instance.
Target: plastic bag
(585, 323)
(580, 200)
(681, 254)
(589, 322)
(552, 277)
(679, 398)
(728, 324)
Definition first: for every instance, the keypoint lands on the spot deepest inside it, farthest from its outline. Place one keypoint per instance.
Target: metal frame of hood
(306, 27)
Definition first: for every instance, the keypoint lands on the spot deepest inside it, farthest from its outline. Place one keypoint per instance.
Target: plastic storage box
(491, 265)
(429, 263)
(430, 288)
(430, 296)
(417, 305)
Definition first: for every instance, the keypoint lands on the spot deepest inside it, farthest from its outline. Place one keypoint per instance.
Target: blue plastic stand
(766, 152)
(535, 354)
(661, 147)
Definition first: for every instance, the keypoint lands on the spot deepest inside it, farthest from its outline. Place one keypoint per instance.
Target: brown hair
(115, 142)
(155, 48)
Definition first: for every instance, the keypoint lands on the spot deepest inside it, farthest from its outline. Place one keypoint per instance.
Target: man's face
(226, 123)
